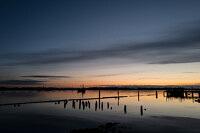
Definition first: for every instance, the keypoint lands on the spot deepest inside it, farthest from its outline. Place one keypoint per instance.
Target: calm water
(138, 111)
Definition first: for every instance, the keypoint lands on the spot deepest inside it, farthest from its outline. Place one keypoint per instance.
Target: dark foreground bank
(33, 123)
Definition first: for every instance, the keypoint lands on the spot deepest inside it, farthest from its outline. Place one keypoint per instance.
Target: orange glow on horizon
(123, 83)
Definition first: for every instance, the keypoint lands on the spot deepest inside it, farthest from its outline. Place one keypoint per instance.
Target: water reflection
(97, 103)
(83, 103)
(103, 105)
(134, 107)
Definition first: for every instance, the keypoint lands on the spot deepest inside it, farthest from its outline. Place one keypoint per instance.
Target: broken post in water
(141, 110)
(124, 109)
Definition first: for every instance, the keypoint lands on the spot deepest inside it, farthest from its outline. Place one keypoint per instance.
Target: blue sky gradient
(134, 42)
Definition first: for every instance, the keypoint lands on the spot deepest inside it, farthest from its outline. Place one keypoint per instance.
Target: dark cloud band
(45, 76)
(21, 82)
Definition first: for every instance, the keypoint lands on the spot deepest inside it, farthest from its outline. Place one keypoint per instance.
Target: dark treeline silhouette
(36, 88)
(82, 90)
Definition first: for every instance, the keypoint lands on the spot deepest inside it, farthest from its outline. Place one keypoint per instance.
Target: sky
(57, 43)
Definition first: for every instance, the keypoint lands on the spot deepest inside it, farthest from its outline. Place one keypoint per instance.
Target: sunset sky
(99, 42)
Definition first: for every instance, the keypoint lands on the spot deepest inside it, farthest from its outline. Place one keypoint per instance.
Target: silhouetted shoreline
(97, 88)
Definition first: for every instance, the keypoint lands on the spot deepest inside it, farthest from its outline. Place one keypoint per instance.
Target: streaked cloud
(180, 46)
(45, 76)
(190, 72)
(107, 75)
(21, 82)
